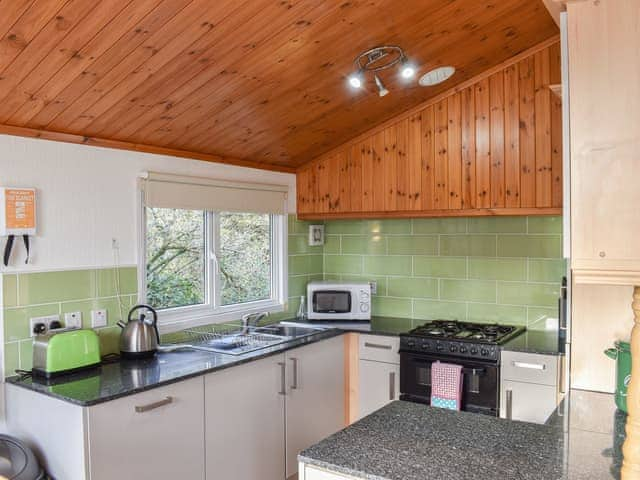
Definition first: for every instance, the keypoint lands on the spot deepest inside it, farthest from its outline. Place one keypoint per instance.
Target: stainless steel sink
(239, 342)
(286, 330)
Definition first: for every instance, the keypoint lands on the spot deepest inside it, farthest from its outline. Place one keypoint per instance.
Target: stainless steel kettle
(139, 337)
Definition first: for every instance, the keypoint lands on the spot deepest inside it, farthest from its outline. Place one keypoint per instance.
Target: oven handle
(465, 370)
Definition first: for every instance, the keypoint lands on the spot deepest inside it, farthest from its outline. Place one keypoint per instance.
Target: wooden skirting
(472, 212)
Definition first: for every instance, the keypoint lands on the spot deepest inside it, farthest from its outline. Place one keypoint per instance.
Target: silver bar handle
(377, 345)
(154, 405)
(531, 366)
(294, 385)
(509, 394)
(392, 385)
(283, 379)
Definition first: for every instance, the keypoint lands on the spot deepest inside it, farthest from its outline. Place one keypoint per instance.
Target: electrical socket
(98, 318)
(46, 321)
(73, 320)
(374, 287)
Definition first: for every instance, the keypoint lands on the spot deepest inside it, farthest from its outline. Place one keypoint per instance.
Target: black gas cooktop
(460, 339)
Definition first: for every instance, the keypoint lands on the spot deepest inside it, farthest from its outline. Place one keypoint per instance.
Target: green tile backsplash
(493, 269)
(484, 269)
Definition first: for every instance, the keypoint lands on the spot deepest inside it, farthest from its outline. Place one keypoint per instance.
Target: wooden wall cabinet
(491, 146)
(604, 93)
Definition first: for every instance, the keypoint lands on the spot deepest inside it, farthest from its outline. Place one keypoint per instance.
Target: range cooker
(474, 346)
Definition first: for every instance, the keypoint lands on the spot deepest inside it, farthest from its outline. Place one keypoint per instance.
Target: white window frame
(212, 312)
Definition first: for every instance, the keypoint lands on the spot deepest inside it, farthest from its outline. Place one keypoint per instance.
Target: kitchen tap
(251, 320)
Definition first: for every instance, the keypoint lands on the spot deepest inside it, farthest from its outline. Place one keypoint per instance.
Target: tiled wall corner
(484, 269)
(28, 295)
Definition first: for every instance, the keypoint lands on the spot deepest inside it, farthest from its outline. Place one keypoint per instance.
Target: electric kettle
(139, 337)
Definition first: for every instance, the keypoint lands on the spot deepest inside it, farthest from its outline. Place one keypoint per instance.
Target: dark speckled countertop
(535, 341)
(127, 377)
(407, 441)
(115, 380)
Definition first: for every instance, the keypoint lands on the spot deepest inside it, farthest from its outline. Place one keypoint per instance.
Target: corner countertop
(127, 377)
(409, 441)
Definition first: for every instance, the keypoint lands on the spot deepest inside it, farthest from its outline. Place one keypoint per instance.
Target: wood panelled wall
(490, 147)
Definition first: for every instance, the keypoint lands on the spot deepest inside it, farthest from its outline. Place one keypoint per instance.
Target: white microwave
(338, 301)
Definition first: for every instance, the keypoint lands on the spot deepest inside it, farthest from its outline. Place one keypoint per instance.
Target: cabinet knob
(602, 254)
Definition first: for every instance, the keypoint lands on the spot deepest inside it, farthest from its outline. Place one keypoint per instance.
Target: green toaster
(65, 351)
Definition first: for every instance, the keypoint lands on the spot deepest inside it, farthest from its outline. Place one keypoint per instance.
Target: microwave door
(332, 301)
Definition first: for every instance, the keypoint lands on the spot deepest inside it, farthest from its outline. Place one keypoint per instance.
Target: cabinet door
(315, 396)
(529, 402)
(379, 384)
(605, 135)
(245, 421)
(155, 434)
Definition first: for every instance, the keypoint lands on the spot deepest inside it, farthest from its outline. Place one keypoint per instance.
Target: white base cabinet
(379, 384)
(529, 386)
(154, 434)
(244, 421)
(378, 372)
(315, 396)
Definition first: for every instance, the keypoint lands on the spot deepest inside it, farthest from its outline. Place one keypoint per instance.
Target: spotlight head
(382, 90)
(356, 80)
(407, 69)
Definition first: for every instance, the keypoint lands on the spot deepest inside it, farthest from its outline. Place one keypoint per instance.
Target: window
(208, 266)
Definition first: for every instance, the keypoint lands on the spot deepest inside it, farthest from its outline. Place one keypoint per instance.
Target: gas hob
(459, 339)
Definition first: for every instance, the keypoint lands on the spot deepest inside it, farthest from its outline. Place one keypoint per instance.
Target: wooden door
(245, 421)
(315, 396)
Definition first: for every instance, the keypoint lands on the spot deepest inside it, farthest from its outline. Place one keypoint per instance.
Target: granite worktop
(409, 441)
(126, 377)
(543, 342)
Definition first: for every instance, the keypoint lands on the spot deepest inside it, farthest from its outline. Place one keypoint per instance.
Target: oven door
(480, 387)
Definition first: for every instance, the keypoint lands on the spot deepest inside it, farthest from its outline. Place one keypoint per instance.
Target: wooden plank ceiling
(258, 80)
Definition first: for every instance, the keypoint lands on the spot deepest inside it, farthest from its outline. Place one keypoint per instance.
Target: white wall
(87, 196)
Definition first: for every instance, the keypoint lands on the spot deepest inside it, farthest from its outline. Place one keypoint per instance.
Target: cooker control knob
(484, 352)
(426, 345)
(439, 347)
(453, 348)
(474, 350)
(411, 343)
(463, 349)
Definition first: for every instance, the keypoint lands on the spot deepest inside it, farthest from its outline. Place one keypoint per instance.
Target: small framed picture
(316, 235)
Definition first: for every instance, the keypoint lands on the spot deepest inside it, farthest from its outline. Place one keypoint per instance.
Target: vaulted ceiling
(259, 80)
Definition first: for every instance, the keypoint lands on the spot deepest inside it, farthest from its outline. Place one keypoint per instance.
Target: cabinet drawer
(379, 348)
(530, 368)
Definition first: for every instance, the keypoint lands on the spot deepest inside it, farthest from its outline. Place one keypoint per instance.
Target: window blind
(163, 190)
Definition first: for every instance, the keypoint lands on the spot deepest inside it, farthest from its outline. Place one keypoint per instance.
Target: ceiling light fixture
(378, 59)
(382, 90)
(436, 76)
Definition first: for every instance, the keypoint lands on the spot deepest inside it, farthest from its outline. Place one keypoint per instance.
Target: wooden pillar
(631, 448)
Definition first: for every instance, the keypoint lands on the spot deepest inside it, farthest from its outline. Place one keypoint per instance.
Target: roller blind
(163, 190)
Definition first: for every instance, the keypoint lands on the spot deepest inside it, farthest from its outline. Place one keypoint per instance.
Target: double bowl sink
(249, 340)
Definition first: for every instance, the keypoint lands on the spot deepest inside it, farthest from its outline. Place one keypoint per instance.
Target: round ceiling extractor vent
(436, 76)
